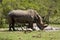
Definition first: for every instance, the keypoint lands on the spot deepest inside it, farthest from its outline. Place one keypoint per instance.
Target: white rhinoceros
(25, 16)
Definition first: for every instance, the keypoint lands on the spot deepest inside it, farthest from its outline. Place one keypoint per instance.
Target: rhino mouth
(41, 27)
(45, 25)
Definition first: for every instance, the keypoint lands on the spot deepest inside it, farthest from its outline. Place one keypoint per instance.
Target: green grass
(35, 35)
(55, 25)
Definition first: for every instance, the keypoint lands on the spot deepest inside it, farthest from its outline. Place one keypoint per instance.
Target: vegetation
(35, 35)
(50, 9)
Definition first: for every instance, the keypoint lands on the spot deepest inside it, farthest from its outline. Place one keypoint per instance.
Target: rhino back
(21, 16)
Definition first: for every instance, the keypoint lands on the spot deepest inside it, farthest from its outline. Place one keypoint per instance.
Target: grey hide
(25, 16)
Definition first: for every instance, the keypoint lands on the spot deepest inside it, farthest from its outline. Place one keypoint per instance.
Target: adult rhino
(25, 16)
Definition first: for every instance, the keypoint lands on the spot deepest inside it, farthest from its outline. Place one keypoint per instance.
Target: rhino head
(40, 22)
(42, 26)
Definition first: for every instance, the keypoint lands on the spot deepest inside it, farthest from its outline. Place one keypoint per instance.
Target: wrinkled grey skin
(25, 16)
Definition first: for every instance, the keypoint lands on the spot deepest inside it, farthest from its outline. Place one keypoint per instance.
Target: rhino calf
(25, 16)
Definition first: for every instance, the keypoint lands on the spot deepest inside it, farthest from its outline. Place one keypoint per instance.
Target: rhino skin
(25, 16)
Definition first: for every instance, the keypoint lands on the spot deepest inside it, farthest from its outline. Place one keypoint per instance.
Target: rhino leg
(13, 27)
(10, 27)
(31, 25)
(11, 24)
